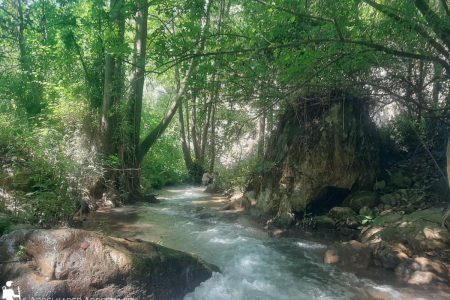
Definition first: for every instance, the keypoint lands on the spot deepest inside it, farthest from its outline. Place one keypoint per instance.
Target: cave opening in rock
(327, 198)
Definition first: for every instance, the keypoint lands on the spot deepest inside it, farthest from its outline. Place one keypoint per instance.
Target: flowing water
(253, 265)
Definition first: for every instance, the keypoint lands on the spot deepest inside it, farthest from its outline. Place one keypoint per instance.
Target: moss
(331, 145)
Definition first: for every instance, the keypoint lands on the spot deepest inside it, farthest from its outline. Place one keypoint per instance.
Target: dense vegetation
(110, 99)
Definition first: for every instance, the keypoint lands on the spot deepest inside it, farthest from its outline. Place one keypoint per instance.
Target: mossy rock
(387, 219)
(358, 200)
(324, 222)
(341, 213)
(400, 180)
(432, 215)
(420, 230)
(334, 148)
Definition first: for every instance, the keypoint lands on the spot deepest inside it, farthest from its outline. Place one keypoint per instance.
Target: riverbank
(409, 248)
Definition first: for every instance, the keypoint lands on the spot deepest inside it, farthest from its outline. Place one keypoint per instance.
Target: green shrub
(48, 164)
(237, 176)
(164, 164)
(5, 223)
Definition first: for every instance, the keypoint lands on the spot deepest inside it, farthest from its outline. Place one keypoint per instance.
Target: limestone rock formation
(322, 149)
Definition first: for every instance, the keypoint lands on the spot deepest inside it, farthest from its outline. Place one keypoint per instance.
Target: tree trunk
(205, 130)
(186, 153)
(261, 135)
(105, 126)
(212, 146)
(131, 151)
(195, 140)
(112, 95)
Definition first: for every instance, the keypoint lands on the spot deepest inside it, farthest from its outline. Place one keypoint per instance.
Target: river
(253, 264)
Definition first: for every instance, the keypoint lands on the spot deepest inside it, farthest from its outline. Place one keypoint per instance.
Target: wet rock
(150, 198)
(227, 206)
(349, 255)
(278, 232)
(78, 263)
(211, 188)
(237, 201)
(324, 222)
(378, 294)
(388, 255)
(358, 200)
(422, 270)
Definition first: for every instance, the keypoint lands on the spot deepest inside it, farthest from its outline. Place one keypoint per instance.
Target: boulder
(358, 200)
(422, 270)
(316, 161)
(78, 263)
(348, 255)
(211, 188)
(324, 222)
(341, 213)
(238, 201)
(389, 255)
(414, 245)
(344, 216)
(419, 231)
(150, 198)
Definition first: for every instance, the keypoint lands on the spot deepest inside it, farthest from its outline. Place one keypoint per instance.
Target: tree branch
(445, 6)
(377, 47)
(153, 136)
(439, 26)
(417, 28)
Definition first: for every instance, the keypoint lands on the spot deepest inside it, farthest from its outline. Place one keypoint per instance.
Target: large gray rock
(78, 263)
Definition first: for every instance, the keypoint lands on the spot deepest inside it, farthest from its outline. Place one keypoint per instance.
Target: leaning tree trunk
(153, 136)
